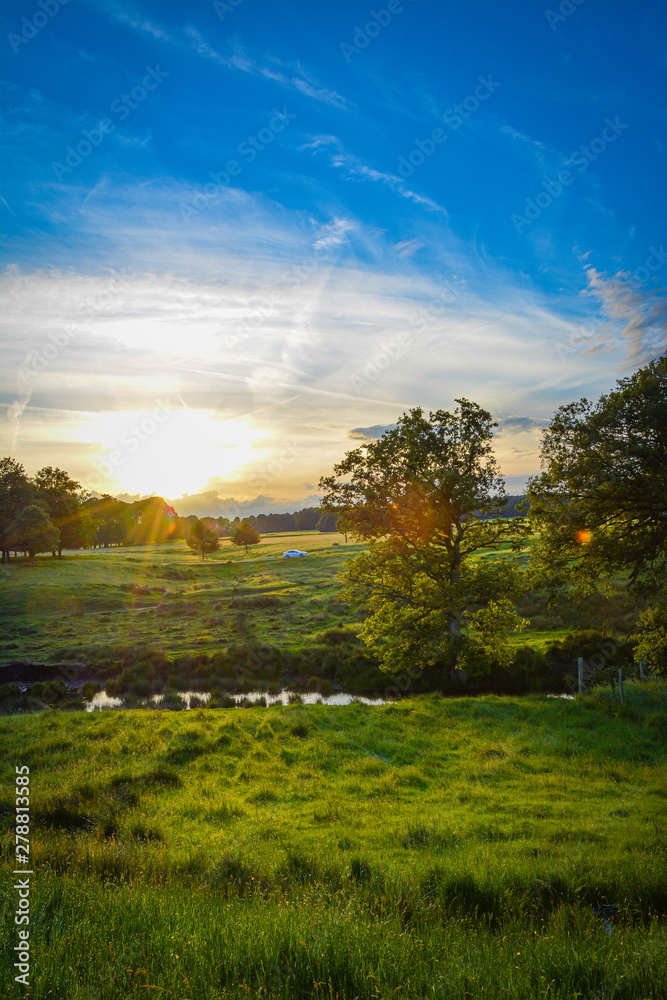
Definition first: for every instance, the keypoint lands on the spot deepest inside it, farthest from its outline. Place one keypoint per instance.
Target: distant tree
(327, 522)
(306, 519)
(16, 492)
(154, 521)
(61, 496)
(33, 531)
(600, 505)
(202, 539)
(106, 514)
(246, 534)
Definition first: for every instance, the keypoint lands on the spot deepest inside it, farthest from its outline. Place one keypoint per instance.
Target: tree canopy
(202, 539)
(427, 495)
(61, 496)
(245, 534)
(600, 505)
(33, 531)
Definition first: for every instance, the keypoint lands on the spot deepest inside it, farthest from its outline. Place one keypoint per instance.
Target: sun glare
(170, 451)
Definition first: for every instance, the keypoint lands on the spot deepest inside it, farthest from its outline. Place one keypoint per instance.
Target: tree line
(50, 512)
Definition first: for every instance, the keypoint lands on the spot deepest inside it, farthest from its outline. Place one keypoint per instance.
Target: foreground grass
(445, 848)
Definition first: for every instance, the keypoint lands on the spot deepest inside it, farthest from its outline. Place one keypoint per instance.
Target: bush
(90, 689)
(113, 688)
(652, 644)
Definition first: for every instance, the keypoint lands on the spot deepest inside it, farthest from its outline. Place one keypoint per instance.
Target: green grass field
(164, 596)
(490, 847)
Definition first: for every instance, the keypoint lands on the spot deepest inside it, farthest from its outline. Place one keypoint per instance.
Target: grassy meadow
(98, 606)
(488, 847)
(164, 595)
(497, 847)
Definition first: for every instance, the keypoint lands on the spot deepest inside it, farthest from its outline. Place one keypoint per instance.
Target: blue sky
(240, 237)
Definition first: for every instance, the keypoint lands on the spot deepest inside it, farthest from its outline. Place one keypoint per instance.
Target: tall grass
(490, 847)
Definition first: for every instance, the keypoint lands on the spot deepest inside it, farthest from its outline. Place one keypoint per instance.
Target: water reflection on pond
(196, 699)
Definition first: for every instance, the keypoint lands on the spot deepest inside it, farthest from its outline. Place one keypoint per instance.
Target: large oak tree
(428, 495)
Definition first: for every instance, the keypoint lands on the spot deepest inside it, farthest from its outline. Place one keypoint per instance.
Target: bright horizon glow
(166, 451)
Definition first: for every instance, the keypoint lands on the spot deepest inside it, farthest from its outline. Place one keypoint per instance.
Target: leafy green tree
(306, 519)
(245, 534)
(16, 492)
(600, 505)
(33, 531)
(202, 539)
(652, 643)
(427, 495)
(61, 496)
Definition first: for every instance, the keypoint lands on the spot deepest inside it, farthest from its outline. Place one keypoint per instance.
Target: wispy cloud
(333, 234)
(140, 24)
(641, 314)
(353, 167)
(310, 88)
(294, 78)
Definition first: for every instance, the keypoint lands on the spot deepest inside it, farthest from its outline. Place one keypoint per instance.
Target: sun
(172, 450)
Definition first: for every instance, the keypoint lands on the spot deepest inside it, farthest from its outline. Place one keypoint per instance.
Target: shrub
(113, 688)
(90, 689)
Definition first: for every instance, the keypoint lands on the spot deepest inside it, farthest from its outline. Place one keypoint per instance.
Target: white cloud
(638, 317)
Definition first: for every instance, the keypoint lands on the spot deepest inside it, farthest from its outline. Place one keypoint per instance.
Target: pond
(196, 699)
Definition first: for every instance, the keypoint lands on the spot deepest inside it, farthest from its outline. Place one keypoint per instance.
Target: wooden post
(580, 666)
(620, 683)
(641, 671)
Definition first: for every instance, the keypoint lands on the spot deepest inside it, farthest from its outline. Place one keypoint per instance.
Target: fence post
(641, 671)
(580, 666)
(620, 683)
